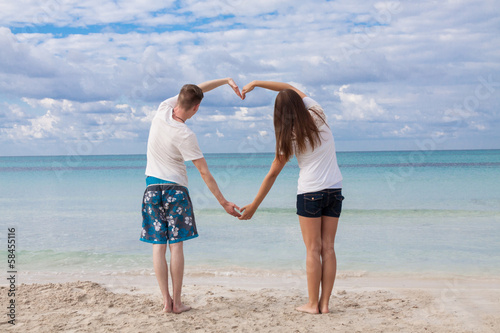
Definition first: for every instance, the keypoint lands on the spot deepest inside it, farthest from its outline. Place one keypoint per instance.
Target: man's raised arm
(212, 84)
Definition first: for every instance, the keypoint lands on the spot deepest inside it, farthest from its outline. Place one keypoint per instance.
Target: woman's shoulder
(315, 110)
(309, 102)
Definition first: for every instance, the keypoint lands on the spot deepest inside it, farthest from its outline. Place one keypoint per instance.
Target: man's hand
(230, 208)
(247, 212)
(246, 89)
(212, 84)
(233, 85)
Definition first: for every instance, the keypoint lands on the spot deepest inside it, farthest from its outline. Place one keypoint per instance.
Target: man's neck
(179, 115)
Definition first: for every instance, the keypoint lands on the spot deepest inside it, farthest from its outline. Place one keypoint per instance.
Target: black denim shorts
(322, 203)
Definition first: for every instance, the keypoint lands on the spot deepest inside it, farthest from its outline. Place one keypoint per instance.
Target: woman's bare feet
(323, 307)
(168, 306)
(180, 308)
(308, 308)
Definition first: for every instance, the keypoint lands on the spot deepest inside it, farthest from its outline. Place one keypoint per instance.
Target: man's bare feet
(168, 306)
(308, 308)
(180, 308)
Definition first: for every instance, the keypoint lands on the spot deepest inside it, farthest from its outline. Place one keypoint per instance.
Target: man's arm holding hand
(210, 85)
(229, 207)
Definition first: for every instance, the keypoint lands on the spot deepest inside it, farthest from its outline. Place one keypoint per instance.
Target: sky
(79, 78)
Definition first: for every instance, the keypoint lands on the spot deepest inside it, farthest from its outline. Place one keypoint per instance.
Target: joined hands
(246, 89)
(232, 209)
(244, 213)
(247, 212)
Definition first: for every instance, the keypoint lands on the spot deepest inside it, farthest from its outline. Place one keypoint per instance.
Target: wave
(371, 212)
(67, 168)
(420, 165)
(234, 167)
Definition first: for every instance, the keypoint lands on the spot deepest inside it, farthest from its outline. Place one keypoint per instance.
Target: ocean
(409, 212)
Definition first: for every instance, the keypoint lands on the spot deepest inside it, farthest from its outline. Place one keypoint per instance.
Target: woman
(301, 129)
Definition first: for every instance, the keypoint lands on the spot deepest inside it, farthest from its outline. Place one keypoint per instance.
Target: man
(167, 209)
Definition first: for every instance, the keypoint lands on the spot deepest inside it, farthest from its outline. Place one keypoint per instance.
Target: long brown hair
(293, 122)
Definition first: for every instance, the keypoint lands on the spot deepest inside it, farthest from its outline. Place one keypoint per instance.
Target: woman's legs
(161, 272)
(311, 233)
(328, 259)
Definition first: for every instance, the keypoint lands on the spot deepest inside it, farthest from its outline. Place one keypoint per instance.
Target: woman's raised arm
(270, 85)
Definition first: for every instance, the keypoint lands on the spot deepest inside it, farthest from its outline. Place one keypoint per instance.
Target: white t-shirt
(318, 167)
(170, 143)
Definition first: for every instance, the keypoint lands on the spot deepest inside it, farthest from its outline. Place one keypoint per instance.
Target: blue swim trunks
(167, 214)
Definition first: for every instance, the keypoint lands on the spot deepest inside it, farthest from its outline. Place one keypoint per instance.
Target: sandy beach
(254, 302)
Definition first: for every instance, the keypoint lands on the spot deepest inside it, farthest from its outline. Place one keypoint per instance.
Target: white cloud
(403, 131)
(17, 111)
(478, 126)
(358, 107)
(40, 127)
(375, 67)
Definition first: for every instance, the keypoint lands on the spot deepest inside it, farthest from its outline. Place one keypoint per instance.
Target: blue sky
(86, 78)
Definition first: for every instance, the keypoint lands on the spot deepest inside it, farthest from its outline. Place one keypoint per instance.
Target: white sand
(250, 301)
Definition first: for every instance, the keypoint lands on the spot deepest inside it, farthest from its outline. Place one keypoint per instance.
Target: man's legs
(311, 233)
(177, 271)
(161, 272)
(328, 259)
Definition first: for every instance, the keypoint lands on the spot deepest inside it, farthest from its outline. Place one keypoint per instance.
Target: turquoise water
(422, 211)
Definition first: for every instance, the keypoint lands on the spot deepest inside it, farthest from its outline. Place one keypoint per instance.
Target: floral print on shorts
(167, 214)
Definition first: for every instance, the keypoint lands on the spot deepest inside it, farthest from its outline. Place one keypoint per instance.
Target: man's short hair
(189, 96)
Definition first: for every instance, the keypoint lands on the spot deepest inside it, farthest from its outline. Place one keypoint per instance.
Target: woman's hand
(246, 89)
(247, 212)
(233, 85)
